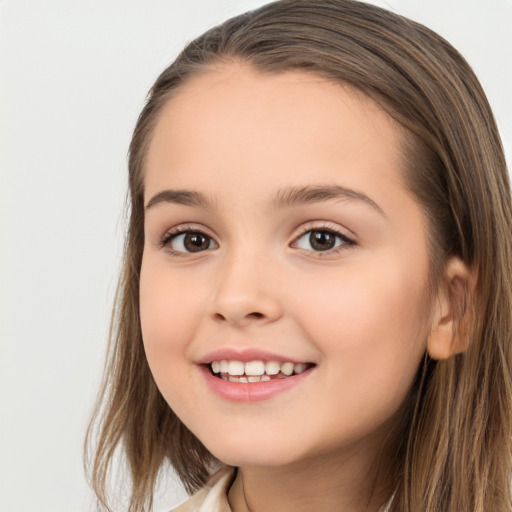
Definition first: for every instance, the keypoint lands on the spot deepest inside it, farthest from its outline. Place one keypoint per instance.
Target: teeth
(287, 368)
(236, 368)
(255, 368)
(251, 378)
(255, 371)
(272, 368)
(299, 368)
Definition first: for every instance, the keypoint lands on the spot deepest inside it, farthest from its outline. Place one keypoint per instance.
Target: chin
(253, 458)
(252, 451)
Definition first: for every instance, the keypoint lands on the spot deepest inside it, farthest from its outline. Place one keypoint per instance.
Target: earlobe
(452, 317)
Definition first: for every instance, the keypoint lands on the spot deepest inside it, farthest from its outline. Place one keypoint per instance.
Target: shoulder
(213, 497)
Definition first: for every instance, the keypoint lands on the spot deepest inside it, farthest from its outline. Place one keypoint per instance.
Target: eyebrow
(285, 198)
(295, 196)
(185, 197)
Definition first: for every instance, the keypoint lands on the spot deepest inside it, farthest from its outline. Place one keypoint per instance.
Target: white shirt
(213, 497)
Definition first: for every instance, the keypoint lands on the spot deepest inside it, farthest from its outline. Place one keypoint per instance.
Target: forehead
(235, 116)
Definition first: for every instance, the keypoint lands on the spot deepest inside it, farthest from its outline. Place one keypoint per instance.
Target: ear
(452, 317)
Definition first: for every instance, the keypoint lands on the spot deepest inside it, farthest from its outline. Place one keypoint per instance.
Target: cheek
(169, 309)
(370, 324)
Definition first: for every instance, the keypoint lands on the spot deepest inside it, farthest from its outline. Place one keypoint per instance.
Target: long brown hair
(456, 449)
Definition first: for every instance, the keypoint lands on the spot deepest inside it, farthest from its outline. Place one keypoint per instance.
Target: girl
(315, 306)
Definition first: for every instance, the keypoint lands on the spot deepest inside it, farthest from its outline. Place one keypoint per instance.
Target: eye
(188, 242)
(322, 240)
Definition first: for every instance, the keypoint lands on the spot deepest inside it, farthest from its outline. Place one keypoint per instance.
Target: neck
(351, 482)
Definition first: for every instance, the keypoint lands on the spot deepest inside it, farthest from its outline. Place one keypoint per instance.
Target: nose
(247, 292)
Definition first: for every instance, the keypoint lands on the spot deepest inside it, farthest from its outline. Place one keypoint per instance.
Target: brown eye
(191, 241)
(195, 242)
(322, 240)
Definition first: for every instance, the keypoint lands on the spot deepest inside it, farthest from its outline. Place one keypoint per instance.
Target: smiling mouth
(256, 371)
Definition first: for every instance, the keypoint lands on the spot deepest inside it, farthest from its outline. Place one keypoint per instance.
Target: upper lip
(245, 355)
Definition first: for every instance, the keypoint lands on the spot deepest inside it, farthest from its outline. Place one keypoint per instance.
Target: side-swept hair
(456, 449)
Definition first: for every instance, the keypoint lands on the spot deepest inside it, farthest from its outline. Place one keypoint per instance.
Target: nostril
(255, 315)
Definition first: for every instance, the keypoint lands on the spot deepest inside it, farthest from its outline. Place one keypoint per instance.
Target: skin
(357, 312)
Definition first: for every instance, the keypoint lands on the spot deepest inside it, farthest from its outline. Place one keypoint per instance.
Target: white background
(73, 77)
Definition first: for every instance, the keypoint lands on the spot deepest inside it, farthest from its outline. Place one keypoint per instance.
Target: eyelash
(168, 237)
(345, 244)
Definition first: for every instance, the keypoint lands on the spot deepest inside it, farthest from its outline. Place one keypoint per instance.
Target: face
(284, 269)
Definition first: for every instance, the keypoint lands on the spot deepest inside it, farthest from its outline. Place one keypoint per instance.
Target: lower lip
(252, 391)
